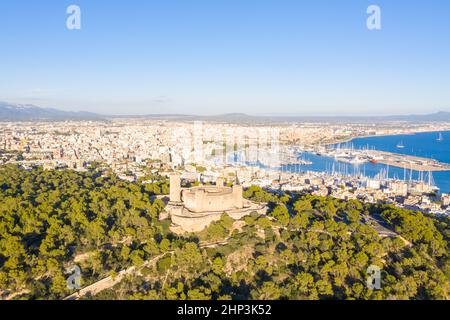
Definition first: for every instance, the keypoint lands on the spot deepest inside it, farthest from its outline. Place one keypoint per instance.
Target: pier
(408, 162)
(359, 156)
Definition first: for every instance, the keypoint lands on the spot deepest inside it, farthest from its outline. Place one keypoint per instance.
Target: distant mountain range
(28, 112)
(438, 116)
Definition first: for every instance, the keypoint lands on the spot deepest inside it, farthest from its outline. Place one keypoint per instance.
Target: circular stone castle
(193, 209)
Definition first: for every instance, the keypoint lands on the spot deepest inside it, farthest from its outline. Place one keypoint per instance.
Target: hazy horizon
(281, 114)
(293, 58)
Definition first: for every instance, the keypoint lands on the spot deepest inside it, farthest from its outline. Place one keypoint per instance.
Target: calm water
(421, 144)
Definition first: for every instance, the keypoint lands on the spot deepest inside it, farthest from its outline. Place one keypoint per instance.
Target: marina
(357, 156)
(424, 157)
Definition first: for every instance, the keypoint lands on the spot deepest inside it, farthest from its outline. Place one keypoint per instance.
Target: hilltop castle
(193, 209)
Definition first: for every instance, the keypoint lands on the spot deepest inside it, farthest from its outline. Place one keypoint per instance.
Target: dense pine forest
(307, 247)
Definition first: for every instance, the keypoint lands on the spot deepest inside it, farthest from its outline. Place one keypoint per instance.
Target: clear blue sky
(221, 56)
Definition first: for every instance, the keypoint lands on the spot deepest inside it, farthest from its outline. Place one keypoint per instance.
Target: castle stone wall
(200, 200)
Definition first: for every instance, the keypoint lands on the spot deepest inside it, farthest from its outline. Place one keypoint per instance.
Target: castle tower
(237, 196)
(175, 188)
(220, 182)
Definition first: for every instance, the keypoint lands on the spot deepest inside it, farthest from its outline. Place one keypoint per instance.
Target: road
(110, 281)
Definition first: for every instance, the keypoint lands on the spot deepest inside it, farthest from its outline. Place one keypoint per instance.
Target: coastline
(350, 139)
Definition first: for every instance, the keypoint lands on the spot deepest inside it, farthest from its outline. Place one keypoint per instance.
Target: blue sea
(420, 144)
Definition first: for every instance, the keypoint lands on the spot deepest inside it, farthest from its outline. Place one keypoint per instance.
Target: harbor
(420, 157)
(357, 156)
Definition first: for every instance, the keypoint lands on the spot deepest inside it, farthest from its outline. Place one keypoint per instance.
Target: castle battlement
(193, 209)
